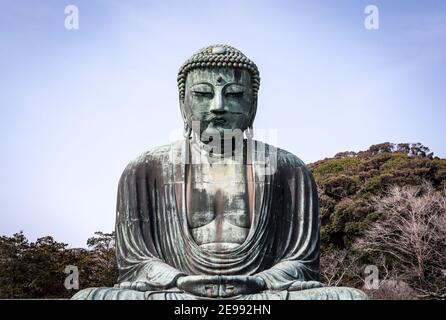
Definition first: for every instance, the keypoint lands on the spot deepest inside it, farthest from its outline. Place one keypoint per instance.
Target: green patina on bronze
(242, 222)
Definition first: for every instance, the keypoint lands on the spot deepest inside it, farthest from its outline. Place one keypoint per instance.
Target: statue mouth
(218, 121)
(222, 115)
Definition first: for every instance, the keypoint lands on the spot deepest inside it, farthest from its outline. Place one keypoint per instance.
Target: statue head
(218, 89)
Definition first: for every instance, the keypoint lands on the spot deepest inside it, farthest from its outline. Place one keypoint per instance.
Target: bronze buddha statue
(218, 214)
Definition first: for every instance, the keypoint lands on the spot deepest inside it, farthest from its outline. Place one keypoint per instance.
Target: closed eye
(202, 90)
(238, 94)
(234, 90)
(203, 94)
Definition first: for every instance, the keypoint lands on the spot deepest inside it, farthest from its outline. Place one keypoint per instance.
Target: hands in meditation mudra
(218, 215)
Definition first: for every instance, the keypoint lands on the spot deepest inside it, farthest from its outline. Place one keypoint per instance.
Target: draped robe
(154, 243)
(153, 239)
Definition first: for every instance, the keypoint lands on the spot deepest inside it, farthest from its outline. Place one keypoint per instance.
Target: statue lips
(216, 120)
(220, 120)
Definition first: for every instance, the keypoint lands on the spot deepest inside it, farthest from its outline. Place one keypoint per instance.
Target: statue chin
(243, 229)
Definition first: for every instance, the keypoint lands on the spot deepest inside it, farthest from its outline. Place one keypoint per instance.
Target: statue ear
(253, 111)
(187, 129)
(183, 111)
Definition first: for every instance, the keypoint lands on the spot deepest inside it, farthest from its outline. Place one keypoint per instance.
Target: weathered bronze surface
(217, 215)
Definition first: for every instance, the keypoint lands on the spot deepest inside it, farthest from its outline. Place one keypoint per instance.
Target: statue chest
(218, 203)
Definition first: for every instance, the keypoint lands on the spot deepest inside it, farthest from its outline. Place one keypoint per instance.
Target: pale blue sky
(76, 106)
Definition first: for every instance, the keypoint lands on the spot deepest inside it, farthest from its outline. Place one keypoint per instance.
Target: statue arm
(299, 260)
(138, 265)
(137, 257)
(285, 274)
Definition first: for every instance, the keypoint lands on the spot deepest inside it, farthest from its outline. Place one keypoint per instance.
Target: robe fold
(154, 244)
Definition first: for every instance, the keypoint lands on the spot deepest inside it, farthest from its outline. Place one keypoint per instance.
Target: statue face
(220, 99)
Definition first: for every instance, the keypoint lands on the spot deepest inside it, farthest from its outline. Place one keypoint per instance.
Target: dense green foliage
(348, 182)
(348, 186)
(36, 269)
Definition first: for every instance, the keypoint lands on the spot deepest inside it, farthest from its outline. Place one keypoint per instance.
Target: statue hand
(305, 285)
(135, 285)
(220, 286)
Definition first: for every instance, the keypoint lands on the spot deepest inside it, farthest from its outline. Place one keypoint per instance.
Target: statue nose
(218, 104)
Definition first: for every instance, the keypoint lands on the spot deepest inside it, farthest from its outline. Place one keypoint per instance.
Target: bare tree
(412, 231)
(337, 265)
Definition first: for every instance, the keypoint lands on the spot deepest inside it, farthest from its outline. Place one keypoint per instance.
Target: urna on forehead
(218, 56)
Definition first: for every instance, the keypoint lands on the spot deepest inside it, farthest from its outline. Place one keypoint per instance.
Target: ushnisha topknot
(216, 56)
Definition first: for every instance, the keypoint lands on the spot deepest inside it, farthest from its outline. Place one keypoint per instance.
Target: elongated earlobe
(187, 131)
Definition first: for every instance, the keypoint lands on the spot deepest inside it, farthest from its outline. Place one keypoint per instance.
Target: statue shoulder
(287, 161)
(285, 157)
(155, 156)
